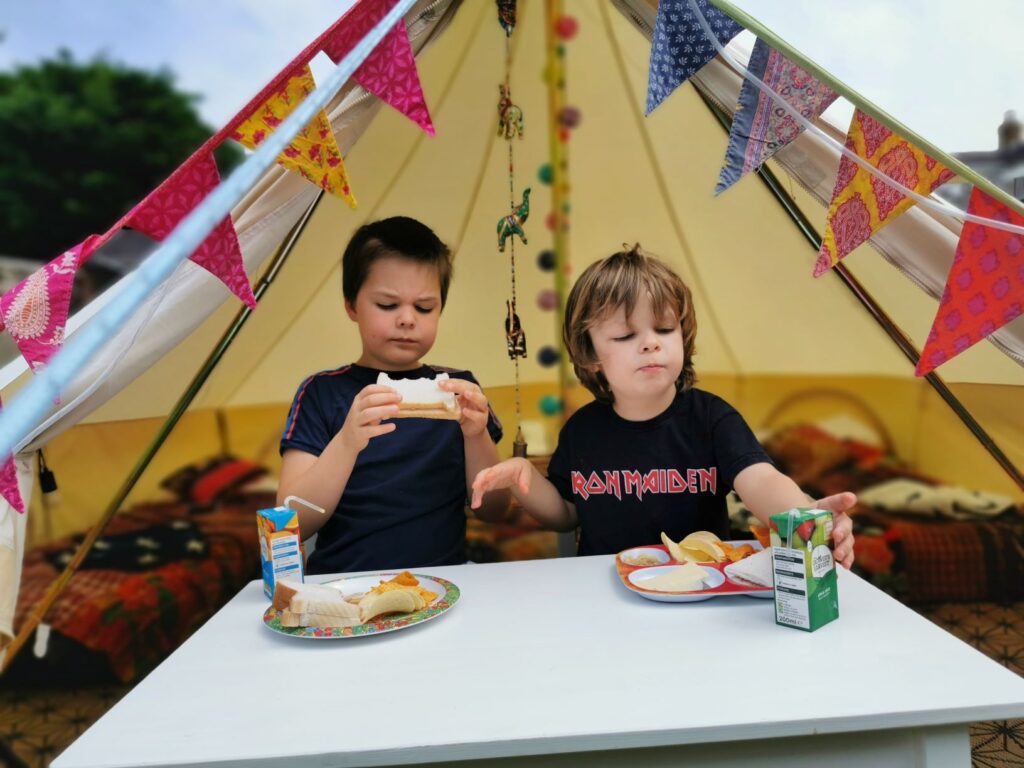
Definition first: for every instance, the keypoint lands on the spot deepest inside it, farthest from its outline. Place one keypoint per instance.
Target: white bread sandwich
(422, 398)
(313, 605)
(755, 570)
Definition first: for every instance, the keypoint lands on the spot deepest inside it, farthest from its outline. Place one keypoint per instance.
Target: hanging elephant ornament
(513, 223)
(507, 15)
(515, 336)
(510, 116)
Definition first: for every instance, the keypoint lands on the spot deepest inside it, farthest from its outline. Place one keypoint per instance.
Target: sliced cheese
(686, 578)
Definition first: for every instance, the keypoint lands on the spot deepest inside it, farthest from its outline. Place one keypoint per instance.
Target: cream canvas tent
(771, 339)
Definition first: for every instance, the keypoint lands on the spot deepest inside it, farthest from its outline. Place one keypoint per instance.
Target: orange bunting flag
(984, 287)
(861, 202)
(314, 151)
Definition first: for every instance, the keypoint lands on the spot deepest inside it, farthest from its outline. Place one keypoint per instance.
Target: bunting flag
(313, 152)
(389, 72)
(9, 483)
(984, 288)
(761, 127)
(35, 311)
(679, 46)
(861, 203)
(159, 213)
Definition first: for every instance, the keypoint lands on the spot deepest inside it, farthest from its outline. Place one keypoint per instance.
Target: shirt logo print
(656, 481)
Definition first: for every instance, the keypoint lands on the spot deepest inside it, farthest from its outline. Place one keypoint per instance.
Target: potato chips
(705, 547)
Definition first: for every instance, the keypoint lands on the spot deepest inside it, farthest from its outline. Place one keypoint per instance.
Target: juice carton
(803, 569)
(281, 552)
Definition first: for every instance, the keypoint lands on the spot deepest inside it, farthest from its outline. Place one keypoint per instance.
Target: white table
(556, 659)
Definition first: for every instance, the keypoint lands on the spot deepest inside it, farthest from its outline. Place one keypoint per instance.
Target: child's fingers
(376, 430)
(368, 400)
(372, 415)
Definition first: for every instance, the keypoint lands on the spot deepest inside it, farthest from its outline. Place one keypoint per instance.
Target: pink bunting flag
(35, 311)
(984, 287)
(389, 72)
(9, 483)
(159, 213)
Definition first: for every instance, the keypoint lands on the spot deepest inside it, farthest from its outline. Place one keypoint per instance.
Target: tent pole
(53, 592)
(906, 346)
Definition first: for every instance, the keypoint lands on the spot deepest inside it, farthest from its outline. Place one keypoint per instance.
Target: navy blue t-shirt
(404, 504)
(631, 480)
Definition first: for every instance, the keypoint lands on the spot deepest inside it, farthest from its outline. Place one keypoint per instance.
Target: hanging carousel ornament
(507, 15)
(513, 223)
(510, 116)
(515, 336)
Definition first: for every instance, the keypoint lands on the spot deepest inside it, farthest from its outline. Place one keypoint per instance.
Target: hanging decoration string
(510, 127)
(936, 204)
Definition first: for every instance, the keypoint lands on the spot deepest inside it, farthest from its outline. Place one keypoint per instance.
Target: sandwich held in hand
(316, 605)
(423, 398)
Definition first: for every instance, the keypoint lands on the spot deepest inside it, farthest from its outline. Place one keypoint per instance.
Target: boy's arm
(537, 495)
(766, 491)
(322, 479)
(481, 453)
(480, 450)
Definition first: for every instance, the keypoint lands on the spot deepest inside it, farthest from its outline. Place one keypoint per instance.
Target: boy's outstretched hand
(373, 403)
(842, 526)
(508, 473)
(472, 402)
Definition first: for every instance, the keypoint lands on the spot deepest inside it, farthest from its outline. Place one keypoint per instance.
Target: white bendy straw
(289, 499)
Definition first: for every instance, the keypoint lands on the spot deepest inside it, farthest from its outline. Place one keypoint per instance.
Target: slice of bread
(422, 398)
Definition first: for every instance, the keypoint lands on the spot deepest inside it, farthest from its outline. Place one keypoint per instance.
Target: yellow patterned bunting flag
(314, 152)
(862, 203)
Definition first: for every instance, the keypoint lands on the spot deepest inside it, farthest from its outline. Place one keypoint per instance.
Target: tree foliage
(81, 143)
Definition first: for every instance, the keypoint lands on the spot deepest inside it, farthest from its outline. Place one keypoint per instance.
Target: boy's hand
(842, 525)
(472, 402)
(373, 403)
(516, 471)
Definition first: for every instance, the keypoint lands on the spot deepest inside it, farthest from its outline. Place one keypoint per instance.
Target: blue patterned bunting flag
(679, 47)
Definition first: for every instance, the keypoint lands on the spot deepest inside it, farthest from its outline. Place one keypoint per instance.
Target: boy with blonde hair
(652, 453)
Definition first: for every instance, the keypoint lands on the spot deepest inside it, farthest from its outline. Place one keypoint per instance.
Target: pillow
(212, 480)
(943, 501)
(805, 452)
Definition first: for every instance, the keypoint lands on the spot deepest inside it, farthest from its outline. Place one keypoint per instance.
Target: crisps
(673, 549)
(703, 544)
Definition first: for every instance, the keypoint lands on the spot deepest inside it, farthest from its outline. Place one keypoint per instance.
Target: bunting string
(38, 395)
(936, 204)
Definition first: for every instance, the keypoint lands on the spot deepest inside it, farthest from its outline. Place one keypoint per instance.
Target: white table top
(540, 657)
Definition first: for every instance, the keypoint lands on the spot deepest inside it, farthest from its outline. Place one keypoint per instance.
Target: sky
(963, 59)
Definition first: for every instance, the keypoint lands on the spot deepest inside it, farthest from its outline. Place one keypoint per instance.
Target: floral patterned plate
(447, 596)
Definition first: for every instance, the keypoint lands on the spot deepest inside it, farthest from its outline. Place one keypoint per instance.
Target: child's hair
(397, 236)
(620, 281)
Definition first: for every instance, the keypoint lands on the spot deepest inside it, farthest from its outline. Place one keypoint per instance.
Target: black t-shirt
(631, 480)
(404, 503)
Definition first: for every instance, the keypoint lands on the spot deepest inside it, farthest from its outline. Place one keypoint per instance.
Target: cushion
(209, 481)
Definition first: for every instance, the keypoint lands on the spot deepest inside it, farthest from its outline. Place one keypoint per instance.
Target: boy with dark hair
(394, 492)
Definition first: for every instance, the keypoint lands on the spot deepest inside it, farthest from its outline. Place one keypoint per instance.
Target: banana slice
(398, 600)
(674, 550)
